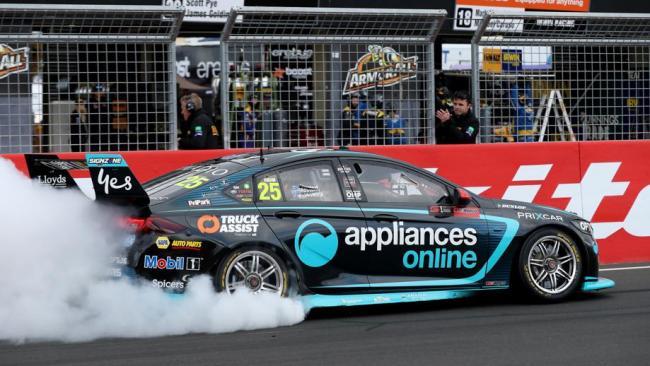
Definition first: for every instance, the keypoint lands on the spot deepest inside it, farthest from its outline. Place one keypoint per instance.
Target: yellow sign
(492, 60)
(186, 244)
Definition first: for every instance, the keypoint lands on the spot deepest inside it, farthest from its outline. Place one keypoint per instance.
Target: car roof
(273, 157)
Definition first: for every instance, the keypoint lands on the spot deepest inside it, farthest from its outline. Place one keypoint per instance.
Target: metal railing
(562, 76)
(87, 78)
(317, 76)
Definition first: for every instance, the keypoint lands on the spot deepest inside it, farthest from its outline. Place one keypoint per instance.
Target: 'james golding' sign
(212, 11)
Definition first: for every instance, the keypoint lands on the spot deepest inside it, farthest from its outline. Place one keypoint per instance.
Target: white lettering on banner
(586, 196)
(183, 68)
(109, 182)
(596, 184)
(298, 73)
(293, 54)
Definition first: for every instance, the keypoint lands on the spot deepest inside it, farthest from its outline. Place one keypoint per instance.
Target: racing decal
(199, 202)
(380, 67)
(112, 183)
(445, 210)
(269, 189)
(315, 249)
(168, 263)
(162, 242)
(538, 216)
(193, 263)
(192, 182)
(208, 224)
(186, 245)
(105, 161)
(236, 224)
(47, 170)
(508, 205)
(175, 285)
(443, 238)
(469, 212)
(242, 192)
(303, 191)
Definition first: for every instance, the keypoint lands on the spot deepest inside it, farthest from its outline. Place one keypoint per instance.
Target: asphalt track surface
(609, 328)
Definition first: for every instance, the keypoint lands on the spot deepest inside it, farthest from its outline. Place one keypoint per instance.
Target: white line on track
(623, 268)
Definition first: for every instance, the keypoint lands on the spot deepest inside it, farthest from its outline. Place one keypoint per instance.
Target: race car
(340, 228)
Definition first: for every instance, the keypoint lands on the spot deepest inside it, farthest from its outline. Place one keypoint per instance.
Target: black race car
(342, 228)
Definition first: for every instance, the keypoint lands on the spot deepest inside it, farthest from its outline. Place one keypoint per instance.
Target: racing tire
(549, 266)
(258, 269)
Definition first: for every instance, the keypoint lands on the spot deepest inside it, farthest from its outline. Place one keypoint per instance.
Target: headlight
(583, 226)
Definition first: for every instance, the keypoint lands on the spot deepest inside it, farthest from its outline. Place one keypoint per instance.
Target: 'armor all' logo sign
(12, 61)
(380, 67)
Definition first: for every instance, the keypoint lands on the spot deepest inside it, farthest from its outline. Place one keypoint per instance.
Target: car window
(389, 183)
(303, 183)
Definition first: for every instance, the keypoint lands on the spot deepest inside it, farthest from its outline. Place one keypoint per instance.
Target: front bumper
(591, 284)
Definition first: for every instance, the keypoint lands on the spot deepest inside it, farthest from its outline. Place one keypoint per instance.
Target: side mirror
(462, 197)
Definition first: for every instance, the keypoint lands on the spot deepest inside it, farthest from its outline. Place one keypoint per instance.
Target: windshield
(180, 181)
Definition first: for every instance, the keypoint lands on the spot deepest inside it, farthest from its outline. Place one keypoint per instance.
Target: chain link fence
(562, 77)
(317, 77)
(87, 78)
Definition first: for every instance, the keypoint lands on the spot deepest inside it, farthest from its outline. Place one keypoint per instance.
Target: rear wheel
(256, 269)
(550, 265)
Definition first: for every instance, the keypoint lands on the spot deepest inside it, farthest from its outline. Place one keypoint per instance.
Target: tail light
(141, 225)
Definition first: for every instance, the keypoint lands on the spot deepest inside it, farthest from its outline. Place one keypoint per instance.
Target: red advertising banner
(605, 182)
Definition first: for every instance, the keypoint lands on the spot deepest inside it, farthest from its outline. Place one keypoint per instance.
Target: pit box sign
(468, 13)
(207, 11)
(468, 18)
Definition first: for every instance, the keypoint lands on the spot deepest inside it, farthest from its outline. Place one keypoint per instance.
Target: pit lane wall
(605, 182)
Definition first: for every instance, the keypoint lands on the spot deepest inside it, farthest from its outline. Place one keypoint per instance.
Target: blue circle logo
(316, 250)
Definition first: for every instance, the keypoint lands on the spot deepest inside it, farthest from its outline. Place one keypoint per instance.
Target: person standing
(78, 131)
(201, 131)
(460, 126)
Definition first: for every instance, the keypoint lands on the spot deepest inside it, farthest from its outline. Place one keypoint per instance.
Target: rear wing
(103, 177)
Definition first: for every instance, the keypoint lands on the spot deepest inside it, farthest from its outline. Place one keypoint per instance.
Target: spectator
(353, 114)
(395, 129)
(98, 115)
(202, 133)
(521, 101)
(374, 118)
(247, 123)
(78, 131)
(459, 127)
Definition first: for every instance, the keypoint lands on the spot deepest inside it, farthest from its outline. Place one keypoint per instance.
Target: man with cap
(202, 133)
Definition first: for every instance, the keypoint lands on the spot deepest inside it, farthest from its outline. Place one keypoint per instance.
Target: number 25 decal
(192, 182)
(269, 191)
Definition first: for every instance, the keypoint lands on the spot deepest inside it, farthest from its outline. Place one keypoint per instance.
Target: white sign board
(468, 18)
(206, 11)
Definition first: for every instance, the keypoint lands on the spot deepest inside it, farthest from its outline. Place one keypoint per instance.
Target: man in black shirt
(461, 127)
(201, 133)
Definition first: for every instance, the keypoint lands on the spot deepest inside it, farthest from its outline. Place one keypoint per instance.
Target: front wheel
(256, 269)
(550, 265)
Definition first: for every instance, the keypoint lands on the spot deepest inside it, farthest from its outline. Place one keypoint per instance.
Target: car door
(416, 236)
(304, 206)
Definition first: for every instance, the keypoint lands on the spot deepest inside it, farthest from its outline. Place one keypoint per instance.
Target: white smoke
(54, 286)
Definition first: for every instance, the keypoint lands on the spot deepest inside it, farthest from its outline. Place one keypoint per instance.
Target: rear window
(183, 180)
